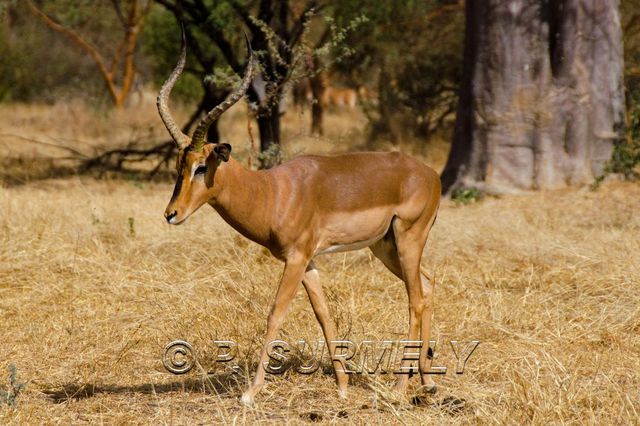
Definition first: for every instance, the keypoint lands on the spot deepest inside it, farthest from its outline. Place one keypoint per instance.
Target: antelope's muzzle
(170, 216)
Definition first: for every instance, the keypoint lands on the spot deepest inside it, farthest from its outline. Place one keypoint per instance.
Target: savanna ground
(94, 284)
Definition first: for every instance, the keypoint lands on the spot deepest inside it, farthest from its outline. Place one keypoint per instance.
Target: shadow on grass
(231, 384)
(228, 384)
(18, 171)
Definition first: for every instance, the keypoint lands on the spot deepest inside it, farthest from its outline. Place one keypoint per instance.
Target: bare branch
(82, 43)
(125, 53)
(118, 10)
(132, 32)
(311, 8)
(39, 142)
(116, 56)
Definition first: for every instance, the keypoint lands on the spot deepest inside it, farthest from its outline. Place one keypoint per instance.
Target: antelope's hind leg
(428, 290)
(420, 292)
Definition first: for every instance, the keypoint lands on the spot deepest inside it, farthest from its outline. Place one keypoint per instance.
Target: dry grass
(548, 282)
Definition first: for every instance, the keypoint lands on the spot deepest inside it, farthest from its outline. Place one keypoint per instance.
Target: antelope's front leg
(291, 278)
(311, 282)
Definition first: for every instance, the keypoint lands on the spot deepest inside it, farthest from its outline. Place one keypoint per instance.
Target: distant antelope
(331, 96)
(309, 206)
(339, 97)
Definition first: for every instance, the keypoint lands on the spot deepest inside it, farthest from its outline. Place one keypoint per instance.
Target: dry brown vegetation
(94, 284)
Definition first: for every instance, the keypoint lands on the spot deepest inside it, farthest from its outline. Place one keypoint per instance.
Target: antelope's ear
(223, 150)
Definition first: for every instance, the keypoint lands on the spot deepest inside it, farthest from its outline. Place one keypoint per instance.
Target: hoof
(247, 400)
(427, 389)
(342, 393)
(422, 396)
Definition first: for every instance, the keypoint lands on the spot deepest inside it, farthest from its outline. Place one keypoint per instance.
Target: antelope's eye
(201, 170)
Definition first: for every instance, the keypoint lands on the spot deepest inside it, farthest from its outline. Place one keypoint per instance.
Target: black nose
(170, 216)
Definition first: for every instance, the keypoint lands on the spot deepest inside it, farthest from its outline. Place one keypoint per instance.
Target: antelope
(339, 97)
(308, 206)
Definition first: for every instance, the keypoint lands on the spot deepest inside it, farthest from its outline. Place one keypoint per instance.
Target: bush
(626, 152)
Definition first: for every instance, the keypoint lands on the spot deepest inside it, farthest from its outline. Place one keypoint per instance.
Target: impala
(339, 97)
(309, 206)
(336, 97)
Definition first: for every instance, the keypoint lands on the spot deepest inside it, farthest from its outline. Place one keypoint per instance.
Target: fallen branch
(39, 142)
(115, 158)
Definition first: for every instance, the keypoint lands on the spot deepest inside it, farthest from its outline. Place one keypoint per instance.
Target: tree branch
(116, 57)
(82, 43)
(298, 27)
(132, 31)
(116, 7)
(75, 152)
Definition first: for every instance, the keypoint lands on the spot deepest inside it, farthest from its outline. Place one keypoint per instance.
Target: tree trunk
(317, 91)
(382, 126)
(541, 101)
(269, 127)
(267, 113)
(209, 101)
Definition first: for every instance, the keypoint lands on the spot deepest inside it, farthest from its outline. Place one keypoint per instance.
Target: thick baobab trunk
(542, 99)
